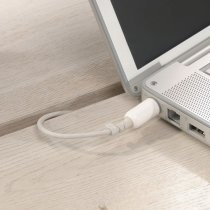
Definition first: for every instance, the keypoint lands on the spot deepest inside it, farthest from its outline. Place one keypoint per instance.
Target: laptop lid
(145, 35)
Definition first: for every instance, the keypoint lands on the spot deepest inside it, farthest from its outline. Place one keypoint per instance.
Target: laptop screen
(153, 27)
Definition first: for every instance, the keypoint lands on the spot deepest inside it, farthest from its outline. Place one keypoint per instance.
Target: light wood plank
(52, 55)
(155, 167)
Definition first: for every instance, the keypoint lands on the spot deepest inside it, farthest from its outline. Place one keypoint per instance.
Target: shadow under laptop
(178, 147)
(158, 137)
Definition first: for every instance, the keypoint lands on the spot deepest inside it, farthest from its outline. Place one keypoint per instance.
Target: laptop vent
(193, 94)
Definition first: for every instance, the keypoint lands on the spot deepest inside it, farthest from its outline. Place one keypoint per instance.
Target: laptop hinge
(136, 83)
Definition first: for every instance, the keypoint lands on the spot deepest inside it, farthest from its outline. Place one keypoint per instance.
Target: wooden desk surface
(156, 167)
(52, 56)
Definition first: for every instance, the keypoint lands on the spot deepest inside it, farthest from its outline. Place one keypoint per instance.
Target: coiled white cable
(134, 118)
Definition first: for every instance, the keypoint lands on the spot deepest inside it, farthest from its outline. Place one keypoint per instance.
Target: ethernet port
(173, 116)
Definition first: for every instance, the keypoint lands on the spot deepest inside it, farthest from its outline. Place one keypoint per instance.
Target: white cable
(134, 118)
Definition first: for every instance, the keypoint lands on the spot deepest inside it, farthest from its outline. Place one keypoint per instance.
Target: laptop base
(183, 93)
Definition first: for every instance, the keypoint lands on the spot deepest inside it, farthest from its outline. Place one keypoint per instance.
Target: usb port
(173, 116)
(196, 130)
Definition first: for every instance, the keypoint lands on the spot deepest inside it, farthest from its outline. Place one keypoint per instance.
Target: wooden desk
(53, 57)
(156, 167)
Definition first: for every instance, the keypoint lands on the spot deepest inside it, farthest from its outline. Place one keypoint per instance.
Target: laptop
(162, 51)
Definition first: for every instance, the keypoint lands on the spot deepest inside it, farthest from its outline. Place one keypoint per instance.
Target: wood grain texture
(156, 167)
(52, 55)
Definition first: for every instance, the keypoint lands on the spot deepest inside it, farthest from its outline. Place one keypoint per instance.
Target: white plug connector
(134, 118)
(143, 112)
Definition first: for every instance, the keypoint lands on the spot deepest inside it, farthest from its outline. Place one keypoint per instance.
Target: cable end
(144, 112)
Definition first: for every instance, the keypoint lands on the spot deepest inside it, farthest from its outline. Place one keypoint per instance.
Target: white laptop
(162, 51)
